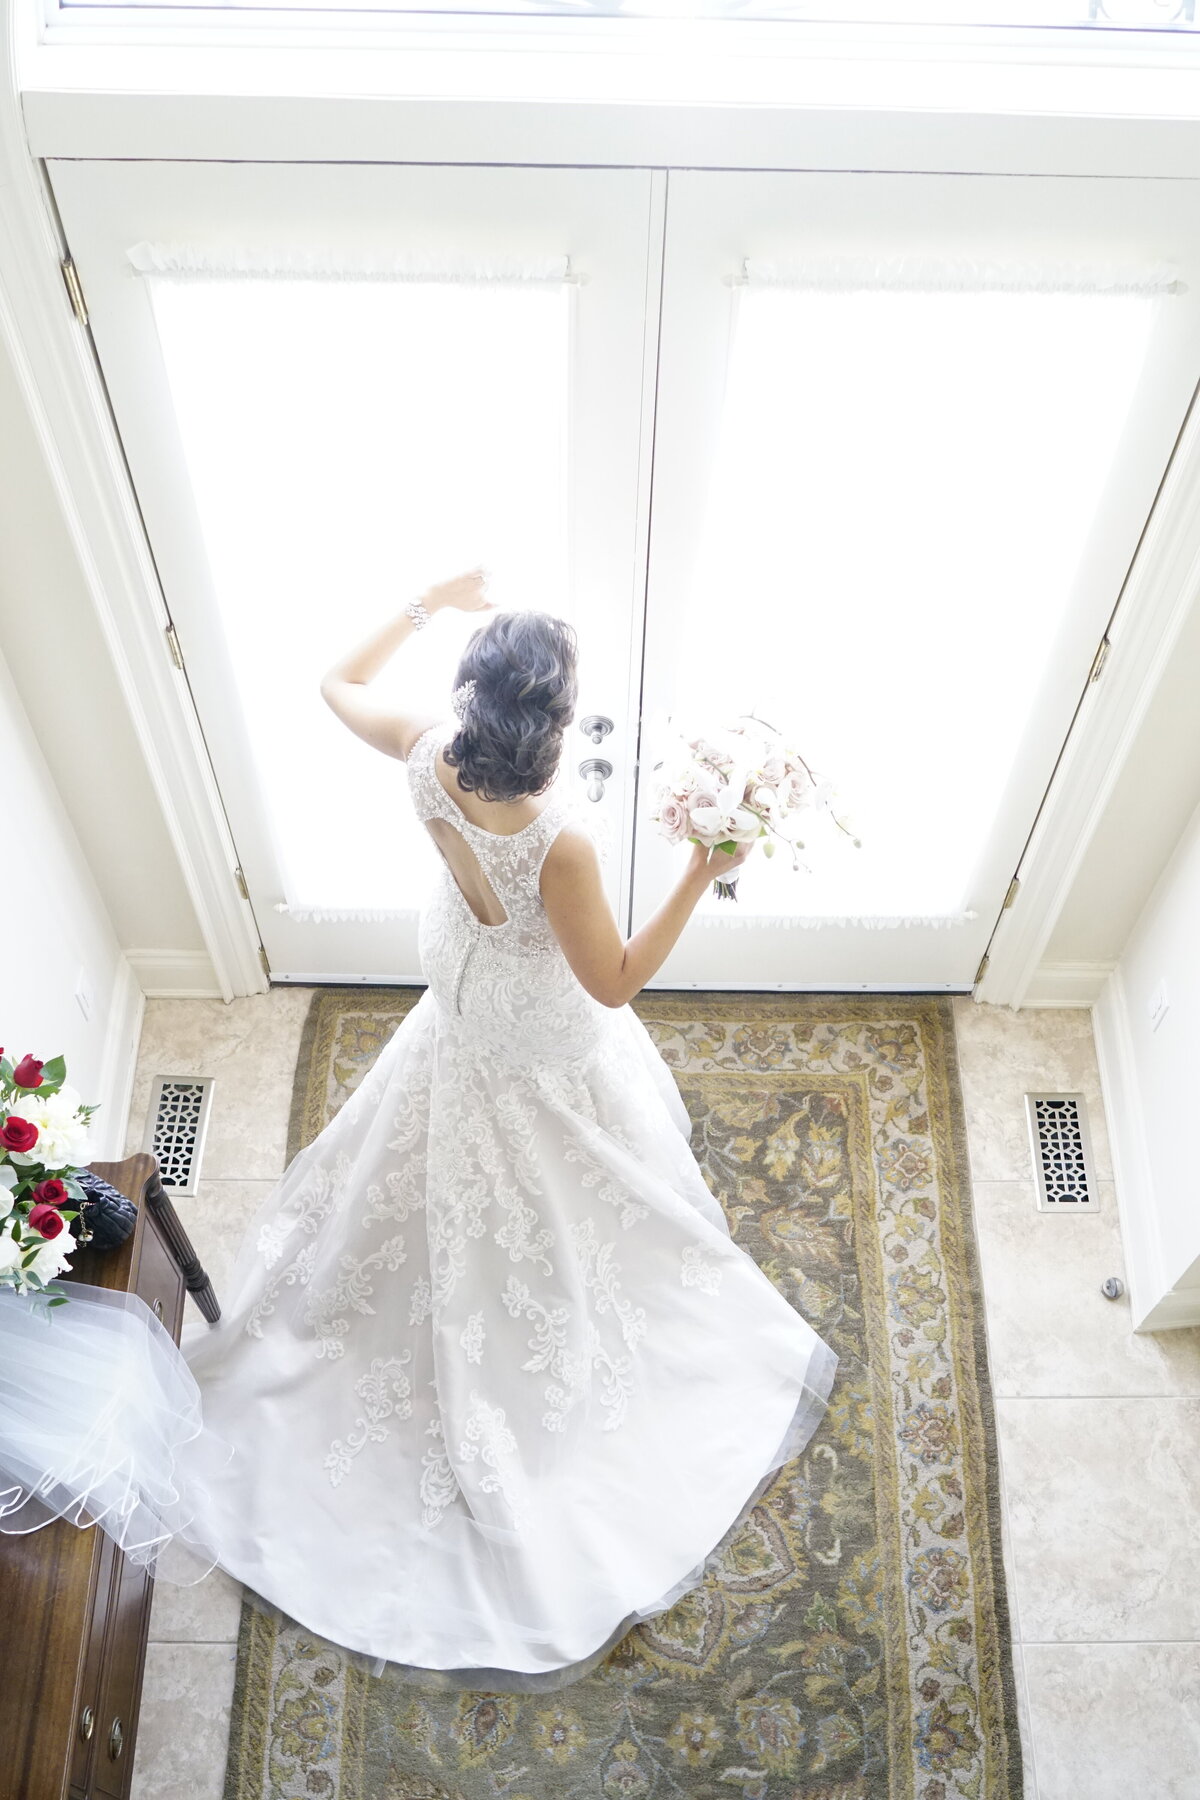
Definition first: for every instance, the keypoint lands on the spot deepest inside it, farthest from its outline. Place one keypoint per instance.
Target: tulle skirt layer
(100, 1425)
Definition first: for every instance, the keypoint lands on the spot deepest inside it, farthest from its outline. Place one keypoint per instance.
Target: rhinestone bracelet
(417, 613)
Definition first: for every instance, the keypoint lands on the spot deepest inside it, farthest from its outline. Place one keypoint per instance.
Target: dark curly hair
(509, 741)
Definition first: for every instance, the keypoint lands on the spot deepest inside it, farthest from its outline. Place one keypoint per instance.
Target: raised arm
(611, 969)
(344, 688)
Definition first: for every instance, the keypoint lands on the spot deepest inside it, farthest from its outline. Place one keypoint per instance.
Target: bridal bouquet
(43, 1141)
(736, 785)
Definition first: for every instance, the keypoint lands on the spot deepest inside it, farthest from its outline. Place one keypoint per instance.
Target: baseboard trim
(124, 1030)
(175, 974)
(1067, 984)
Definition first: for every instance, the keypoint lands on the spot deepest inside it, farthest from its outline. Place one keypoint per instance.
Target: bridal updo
(510, 733)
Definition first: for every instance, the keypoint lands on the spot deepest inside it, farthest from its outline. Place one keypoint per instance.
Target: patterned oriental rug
(853, 1643)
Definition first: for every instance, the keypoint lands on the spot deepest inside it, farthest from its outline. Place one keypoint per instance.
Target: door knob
(595, 772)
(596, 726)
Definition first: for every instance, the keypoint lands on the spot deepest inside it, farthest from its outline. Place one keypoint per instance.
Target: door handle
(595, 772)
(596, 726)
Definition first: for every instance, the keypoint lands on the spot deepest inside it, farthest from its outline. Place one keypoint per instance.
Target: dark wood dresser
(74, 1613)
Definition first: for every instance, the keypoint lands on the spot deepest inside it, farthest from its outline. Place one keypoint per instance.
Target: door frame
(50, 108)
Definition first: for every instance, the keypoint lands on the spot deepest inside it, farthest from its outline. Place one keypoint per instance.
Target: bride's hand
(718, 865)
(465, 593)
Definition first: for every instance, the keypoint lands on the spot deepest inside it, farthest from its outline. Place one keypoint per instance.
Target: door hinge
(1014, 888)
(982, 970)
(266, 967)
(173, 647)
(243, 890)
(70, 275)
(1099, 660)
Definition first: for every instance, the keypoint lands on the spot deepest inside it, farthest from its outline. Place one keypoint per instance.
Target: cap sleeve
(428, 794)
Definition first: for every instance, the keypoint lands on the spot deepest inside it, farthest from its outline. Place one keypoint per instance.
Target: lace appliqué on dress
(439, 1489)
(472, 1338)
(489, 1440)
(386, 1392)
(550, 1353)
(699, 1271)
(328, 1312)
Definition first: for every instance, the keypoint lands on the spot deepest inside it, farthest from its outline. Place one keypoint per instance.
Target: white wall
(57, 655)
(54, 929)
(1150, 1077)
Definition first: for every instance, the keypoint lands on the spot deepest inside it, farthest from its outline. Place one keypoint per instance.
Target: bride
(494, 1382)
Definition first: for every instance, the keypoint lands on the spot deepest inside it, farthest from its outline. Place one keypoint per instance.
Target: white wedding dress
(492, 1382)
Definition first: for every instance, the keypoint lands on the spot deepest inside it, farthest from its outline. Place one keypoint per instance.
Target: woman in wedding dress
(496, 1380)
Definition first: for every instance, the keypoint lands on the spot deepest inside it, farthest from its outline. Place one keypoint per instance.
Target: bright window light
(349, 442)
(903, 490)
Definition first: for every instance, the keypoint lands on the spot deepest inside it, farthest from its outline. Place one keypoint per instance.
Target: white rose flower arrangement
(736, 785)
(43, 1142)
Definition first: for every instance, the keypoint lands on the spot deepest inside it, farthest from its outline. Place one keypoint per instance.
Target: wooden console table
(74, 1612)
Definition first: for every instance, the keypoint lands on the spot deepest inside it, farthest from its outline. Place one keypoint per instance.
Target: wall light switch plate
(1158, 1006)
(83, 994)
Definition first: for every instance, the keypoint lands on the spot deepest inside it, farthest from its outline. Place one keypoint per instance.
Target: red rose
(28, 1072)
(51, 1193)
(48, 1220)
(18, 1134)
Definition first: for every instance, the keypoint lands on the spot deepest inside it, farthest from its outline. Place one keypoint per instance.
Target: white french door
(876, 474)
(909, 431)
(334, 385)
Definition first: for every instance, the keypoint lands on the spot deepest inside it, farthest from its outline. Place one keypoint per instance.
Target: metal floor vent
(1062, 1153)
(175, 1126)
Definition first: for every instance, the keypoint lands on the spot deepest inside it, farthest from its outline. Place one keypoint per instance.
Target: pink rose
(707, 795)
(673, 821)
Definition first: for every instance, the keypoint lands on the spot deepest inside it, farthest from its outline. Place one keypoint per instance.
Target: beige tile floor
(1099, 1429)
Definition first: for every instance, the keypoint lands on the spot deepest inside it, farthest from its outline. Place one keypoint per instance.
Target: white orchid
(11, 1253)
(53, 1257)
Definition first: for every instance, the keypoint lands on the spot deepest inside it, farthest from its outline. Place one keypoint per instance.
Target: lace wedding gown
(496, 1380)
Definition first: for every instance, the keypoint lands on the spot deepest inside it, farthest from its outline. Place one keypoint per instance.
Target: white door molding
(1162, 588)
(166, 121)
(61, 386)
(126, 1006)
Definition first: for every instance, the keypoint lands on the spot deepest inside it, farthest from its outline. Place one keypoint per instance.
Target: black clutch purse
(106, 1216)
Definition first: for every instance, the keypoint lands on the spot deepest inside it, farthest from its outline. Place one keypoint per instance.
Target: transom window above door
(1098, 15)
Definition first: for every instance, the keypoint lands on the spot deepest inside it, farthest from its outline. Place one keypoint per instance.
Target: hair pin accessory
(462, 698)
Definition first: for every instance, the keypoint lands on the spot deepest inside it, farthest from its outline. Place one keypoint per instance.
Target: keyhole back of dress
(469, 878)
